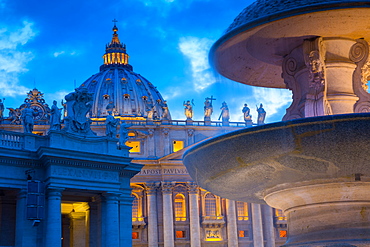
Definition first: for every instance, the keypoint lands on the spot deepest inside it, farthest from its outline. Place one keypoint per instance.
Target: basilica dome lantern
(119, 89)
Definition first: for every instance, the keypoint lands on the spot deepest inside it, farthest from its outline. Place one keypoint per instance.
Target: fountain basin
(317, 170)
(245, 165)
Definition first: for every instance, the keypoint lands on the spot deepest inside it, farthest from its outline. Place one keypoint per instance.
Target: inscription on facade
(84, 174)
(162, 171)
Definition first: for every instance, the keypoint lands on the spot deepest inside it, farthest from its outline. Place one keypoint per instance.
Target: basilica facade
(73, 187)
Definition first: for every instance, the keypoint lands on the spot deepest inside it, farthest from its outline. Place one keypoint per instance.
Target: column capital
(193, 188)
(151, 188)
(111, 196)
(52, 191)
(167, 187)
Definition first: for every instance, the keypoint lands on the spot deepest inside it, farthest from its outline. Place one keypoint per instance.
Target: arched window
(180, 207)
(210, 204)
(135, 207)
(242, 208)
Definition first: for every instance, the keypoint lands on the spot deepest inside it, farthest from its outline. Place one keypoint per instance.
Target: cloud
(13, 58)
(58, 96)
(58, 53)
(196, 50)
(274, 100)
(70, 53)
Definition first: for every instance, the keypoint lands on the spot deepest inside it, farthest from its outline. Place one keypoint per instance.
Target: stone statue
(78, 106)
(111, 125)
(188, 109)
(110, 107)
(55, 115)
(1, 110)
(208, 108)
(165, 111)
(149, 111)
(261, 115)
(64, 109)
(27, 118)
(123, 133)
(246, 112)
(225, 114)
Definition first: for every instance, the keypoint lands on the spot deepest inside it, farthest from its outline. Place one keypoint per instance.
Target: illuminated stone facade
(87, 179)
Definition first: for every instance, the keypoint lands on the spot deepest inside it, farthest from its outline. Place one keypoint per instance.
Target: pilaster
(168, 229)
(193, 190)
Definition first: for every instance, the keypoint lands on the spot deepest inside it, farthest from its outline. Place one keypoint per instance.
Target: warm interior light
(135, 146)
(178, 145)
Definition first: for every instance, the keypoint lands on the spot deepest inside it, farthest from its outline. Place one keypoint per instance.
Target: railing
(11, 139)
(174, 122)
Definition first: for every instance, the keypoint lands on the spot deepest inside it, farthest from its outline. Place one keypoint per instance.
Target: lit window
(282, 233)
(180, 207)
(180, 234)
(210, 203)
(135, 207)
(135, 146)
(279, 214)
(242, 208)
(135, 235)
(243, 234)
(131, 134)
(178, 145)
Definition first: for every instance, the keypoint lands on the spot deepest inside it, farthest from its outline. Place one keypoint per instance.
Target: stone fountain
(315, 165)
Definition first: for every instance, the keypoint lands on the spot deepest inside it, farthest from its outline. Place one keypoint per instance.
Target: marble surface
(245, 165)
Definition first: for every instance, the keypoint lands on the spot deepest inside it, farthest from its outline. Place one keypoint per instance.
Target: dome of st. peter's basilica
(119, 89)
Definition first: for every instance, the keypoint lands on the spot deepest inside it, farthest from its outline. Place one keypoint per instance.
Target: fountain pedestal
(325, 214)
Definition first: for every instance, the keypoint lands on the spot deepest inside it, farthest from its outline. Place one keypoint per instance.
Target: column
(268, 220)
(257, 225)
(151, 192)
(25, 233)
(194, 214)
(166, 141)
(94, 228)
(125, 215)
(232, 229)
(53, 232)
(168, 214)
(151, 148)
(77, 229)
(190, 137)
(111, 219)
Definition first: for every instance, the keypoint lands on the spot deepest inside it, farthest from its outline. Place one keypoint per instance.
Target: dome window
(106, 96)
(138, 81)
(144, 97)
(126, 96)
(124, 80)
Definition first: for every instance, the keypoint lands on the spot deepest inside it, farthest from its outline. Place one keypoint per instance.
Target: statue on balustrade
(27, 118)
(189, 109)
(1, 110)
(79, 104)
(111, 124)
(55, 115)
(261, 115)
(165, 111)
(208, 108)
(225, 114)
(123, 133)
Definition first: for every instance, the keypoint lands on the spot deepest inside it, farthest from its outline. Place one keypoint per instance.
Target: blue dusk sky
(53, 45)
